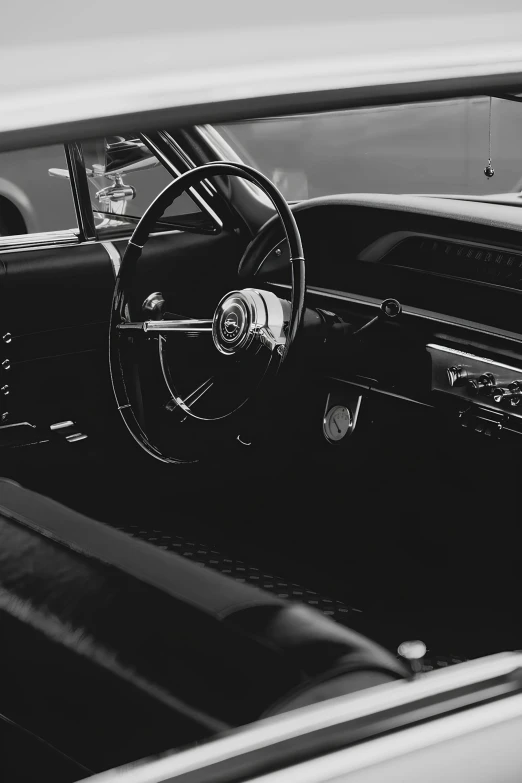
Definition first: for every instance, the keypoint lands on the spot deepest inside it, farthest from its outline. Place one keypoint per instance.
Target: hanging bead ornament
(489, 171)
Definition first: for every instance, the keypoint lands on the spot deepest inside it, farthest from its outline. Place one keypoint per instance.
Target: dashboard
(456, 268)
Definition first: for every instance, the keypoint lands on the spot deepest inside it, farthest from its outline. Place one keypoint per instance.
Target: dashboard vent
(458, 259)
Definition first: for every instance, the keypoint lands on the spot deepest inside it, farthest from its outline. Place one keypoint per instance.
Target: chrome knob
(154, 305)
(457, 375)
(6, 365)
(391, 308)
(513, 392)
(483, 384)
(5, 390)
(413, 653)
(7, 337)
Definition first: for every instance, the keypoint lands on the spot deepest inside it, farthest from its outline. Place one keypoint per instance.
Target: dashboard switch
(483, 384)
(511, 393)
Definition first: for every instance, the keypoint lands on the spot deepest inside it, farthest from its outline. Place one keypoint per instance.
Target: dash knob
(391, 308)
(153, 306)
(457, 375)
(413, 653)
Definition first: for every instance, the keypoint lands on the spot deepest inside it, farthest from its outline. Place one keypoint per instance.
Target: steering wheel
(247, 339)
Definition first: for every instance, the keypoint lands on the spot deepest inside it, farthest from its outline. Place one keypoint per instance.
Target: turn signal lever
(389, 309)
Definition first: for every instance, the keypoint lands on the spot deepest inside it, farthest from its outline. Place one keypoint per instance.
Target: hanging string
(489, 170)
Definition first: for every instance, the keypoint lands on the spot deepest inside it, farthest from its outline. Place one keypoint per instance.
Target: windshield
(436, 147)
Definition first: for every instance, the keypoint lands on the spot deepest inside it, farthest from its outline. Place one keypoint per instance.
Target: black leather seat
(113, 649)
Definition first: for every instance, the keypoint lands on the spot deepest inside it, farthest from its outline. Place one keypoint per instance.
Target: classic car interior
(248, 450)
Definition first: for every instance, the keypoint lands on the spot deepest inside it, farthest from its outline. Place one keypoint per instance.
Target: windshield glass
(436, 147)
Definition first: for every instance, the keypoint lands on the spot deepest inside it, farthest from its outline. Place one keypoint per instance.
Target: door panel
(55, 304)
(57, 288)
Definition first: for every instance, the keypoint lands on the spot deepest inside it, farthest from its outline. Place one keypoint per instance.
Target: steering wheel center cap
(232, 321)
(249, 318)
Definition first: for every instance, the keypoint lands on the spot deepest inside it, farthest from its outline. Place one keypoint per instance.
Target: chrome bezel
(328, 412)
(264, 321)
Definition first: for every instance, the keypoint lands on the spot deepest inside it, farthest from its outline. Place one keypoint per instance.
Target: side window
(124, 178)
(30, 200)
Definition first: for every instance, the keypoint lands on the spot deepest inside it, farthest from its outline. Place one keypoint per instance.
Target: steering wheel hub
(231, 327)
(248, 319)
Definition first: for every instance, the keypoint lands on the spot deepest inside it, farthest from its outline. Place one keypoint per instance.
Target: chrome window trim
(418, 312)
(126, 237)
(65, 238)
(60, 238)
(306, 721)
(80, 191)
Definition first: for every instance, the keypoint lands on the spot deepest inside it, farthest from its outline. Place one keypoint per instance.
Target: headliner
(66, 72)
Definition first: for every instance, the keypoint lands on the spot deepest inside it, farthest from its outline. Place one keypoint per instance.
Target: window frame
(175, 161)
(171, 157)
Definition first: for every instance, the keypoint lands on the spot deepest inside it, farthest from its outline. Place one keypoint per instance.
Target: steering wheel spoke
(185, 403)
(190, 327)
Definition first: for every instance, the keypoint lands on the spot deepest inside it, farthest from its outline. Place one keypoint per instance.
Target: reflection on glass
(124, 178)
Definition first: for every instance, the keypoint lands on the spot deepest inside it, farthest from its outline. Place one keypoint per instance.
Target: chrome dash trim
(377, 390)
(38, 241)
(465, 355)
(272, 250)
(114, 255)
(417, 312)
